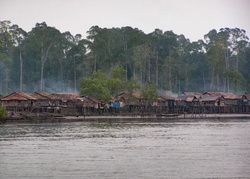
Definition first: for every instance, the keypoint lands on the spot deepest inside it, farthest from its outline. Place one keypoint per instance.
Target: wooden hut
(18, 101)
(188, 99)
(231, 103)
(246, 99)
(87, 104)
(165, 103)
(230, 99)
(209, 100)
(212, 93)
(246, 103)
(128, 98)
(67, 99)
(55, 100)
(196, 94)
(43, 99)
(210, 104)
(46, 103)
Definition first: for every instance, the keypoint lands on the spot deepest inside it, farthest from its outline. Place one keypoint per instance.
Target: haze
(192, 18)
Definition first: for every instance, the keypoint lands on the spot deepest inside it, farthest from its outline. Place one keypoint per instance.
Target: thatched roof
(137, 95)
(246, 96)
(232, 96)
(191, 94)
(87, 99)
(186, 98)
(211, 93)
(65, 96)
(18, 96)
(166, 97)
(206, 98)
(41, 95)
(126, 95)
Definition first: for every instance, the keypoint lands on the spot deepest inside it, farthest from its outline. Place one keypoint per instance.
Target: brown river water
(172, 149)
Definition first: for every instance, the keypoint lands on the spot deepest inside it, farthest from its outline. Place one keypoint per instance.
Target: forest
(112, 60)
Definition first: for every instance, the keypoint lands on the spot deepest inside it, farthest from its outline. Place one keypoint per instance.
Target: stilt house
(18, 101)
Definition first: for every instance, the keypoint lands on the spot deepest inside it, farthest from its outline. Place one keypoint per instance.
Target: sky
(192, 18)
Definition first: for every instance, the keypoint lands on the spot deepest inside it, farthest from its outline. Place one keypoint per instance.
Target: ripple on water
(195, 149)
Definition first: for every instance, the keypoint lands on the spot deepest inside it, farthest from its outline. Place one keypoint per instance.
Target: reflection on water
(174, 149)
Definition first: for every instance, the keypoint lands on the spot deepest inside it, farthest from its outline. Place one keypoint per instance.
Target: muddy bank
(52, 118)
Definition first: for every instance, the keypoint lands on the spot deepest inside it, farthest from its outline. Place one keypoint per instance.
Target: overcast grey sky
(192, 18)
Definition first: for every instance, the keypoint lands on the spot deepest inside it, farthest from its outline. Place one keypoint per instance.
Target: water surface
(173, 149)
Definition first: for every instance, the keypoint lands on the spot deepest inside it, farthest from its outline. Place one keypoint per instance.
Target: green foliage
(56, 61)
(235, 77)
(96, 87)
(100, 76)
(115, 86)
(150, 91)
(132, 85)
(2, 113)
(100, 86)
(118, 73)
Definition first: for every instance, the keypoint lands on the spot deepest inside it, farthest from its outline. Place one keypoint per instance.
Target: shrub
(2, 113)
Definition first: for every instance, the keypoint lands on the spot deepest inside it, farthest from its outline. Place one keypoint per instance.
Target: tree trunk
(126, 56)
(149, 66)
(186, 78)
(212, 80)
(157, 70)
(21, 71)
(204, 83)
(74, 75)
(218, 82)
(42, 67)
(237, 62)
(1, 79)
(179, 86)
(44, 56)
(170, 84)
(41, 85)
(141, 73)
(95, 62)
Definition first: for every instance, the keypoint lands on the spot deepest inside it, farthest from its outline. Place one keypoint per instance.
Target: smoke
(55, 86)
(50, 85)
(170, 93)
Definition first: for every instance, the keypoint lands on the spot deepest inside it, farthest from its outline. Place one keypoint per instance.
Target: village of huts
(126, 104)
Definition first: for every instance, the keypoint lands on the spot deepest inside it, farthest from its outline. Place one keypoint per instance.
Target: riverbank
(49, 118)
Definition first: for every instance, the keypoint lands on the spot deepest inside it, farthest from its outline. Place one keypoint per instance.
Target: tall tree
(45, 37)
(19, 35)
(76, 55)
(6, 48)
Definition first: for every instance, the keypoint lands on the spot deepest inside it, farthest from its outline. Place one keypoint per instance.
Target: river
(171, 149)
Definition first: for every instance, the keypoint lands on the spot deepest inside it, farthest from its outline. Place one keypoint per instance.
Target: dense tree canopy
(112, 60)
